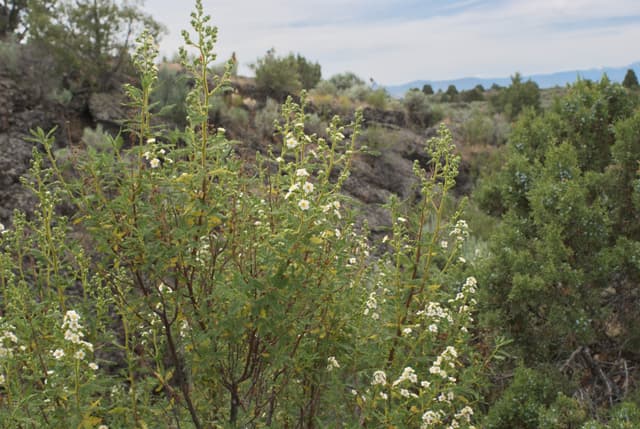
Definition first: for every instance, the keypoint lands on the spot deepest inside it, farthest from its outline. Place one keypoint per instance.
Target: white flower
(407, 394)
(58, 354)
(93, 366)
(303, 204)
(103, 427)
(154, 163)
(151, 140)
(291, 142)
(425, 384)
(2, 229)
(384, 396)
(307, 187)
(302, 172)
(407, 374)
(162, 151)
(332, 363)
(279, 159)
(79, 354)
(73, 337)
(407, 331)
(221, 130)
(430, 417)
(2, 380)
(444, 244)
(379, 377)
(402, 220)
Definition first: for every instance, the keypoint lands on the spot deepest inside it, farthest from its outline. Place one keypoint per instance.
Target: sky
(398, 41)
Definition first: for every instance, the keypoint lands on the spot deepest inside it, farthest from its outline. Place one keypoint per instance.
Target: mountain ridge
(544, 80)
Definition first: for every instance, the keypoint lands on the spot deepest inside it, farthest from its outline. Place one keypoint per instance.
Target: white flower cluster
(73, 334)
(407, 374)
(371, 305)
(433, 418)
(3, 230)
(445, 359)
(470, 285)
(301, 183)
(332, 363)
(379, 377)
(460, 231)
(335, 205)
(8, 340)
(436, 314)
(154, 157)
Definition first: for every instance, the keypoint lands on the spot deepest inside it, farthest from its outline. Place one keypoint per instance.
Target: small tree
(427, 89)
(344, 81)
(277, 77)
(630, 80)
(519, 95)
(90, 36)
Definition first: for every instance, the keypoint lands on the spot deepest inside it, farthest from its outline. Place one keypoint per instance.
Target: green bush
(624, 416)
(170, 94)
(566, 192)
(277, 77)
(420, 112)
(344, 81)
(197, 292)
(516, 97)
(266, 118)
(630, 80)
(525, 400)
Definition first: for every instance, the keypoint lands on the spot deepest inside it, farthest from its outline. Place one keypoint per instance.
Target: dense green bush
(526, 400)
(630, 80)
(516, 97)
(277, 77)
(88, 38)
(420, 112)
(344, 81)
(170, 94)
(563, 262)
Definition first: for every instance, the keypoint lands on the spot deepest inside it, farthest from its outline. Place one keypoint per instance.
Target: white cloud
(483, 40)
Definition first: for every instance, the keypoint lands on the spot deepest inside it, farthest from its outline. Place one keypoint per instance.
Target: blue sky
(397, 41)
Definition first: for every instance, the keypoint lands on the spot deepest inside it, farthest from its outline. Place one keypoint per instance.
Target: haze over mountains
(551, 80)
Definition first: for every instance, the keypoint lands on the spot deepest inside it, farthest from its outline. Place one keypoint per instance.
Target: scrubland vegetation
(172, 275)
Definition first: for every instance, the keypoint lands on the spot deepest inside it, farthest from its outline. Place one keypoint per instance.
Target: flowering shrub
(200, 291)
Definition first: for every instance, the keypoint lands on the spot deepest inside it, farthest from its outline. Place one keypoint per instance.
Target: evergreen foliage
(516, 97)
(563, 263)
(630, 80)
(278, 77)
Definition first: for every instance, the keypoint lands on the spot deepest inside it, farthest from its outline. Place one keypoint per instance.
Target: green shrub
(419, 110)
(170, 94)
(377, 98)
(277, 77)
(624, 416)
(266, 118)
(344, 81)
(197, 292)
(527, 397)
(566, 191)
(483, 128)
(516, 97)
(630, 80)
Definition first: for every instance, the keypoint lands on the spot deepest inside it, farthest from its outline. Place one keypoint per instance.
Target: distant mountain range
(551, 80)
